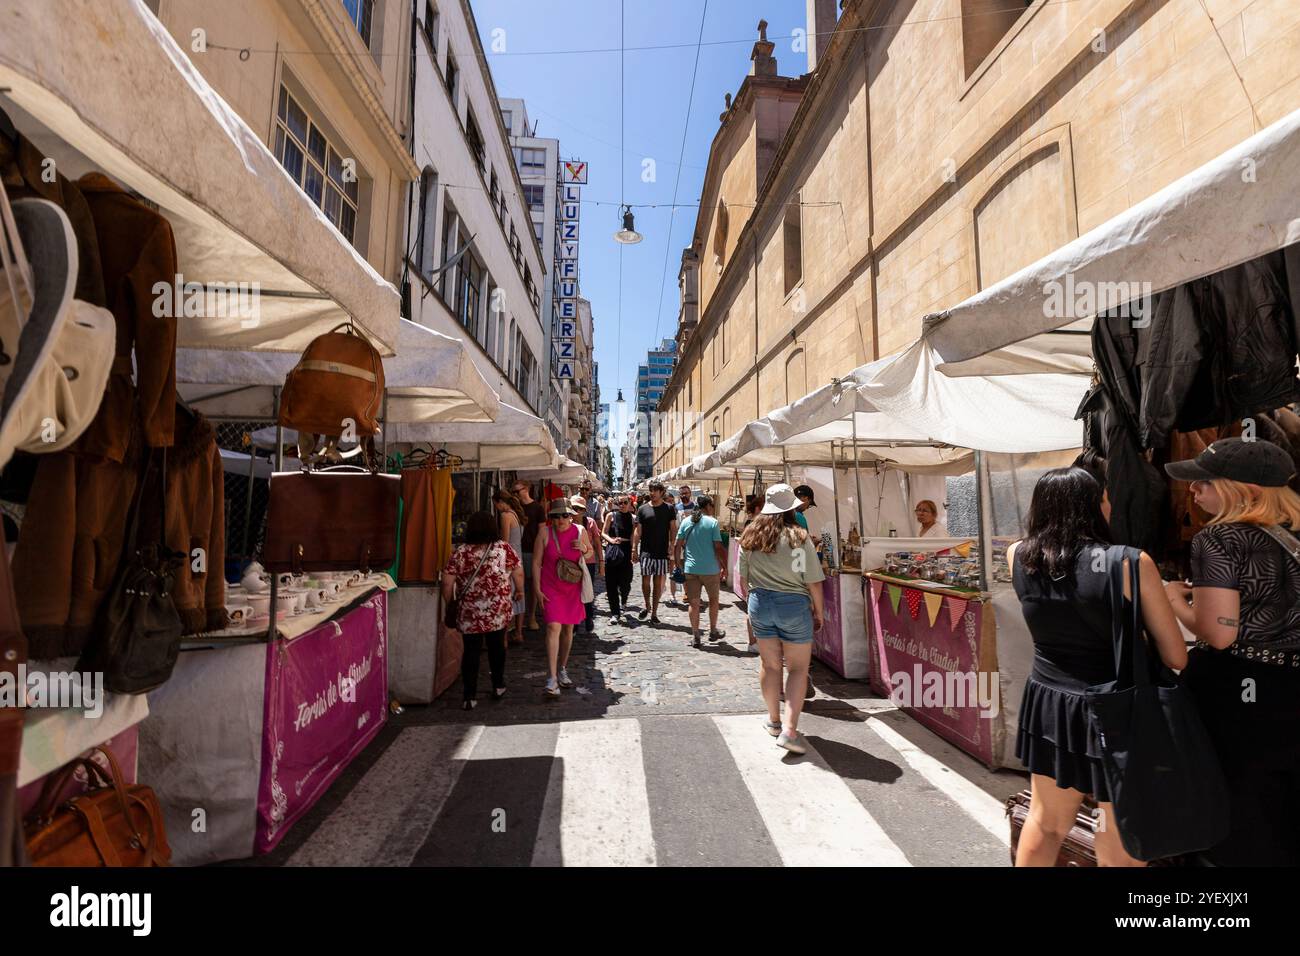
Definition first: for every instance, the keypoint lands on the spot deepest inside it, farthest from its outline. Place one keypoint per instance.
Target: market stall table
(953, 658)
(248, 734)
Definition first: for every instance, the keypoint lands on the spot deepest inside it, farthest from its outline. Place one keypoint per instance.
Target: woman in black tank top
(1059, 574)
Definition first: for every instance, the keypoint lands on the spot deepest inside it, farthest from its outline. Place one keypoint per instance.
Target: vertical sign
(573, 176)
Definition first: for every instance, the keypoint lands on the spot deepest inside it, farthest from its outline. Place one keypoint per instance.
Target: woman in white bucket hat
(779, 566)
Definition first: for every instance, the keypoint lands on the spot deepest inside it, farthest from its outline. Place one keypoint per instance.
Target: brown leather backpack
(340, 378)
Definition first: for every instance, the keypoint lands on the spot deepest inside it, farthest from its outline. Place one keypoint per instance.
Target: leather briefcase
(109, 825)
(1076, 850)
(331, 520)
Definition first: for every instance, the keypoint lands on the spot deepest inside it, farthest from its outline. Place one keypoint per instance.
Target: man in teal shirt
(704, 560)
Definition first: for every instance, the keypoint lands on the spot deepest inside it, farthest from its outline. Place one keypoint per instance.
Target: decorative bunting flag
(913, 602)
(956, 608)
(933, 603)
(895, 594)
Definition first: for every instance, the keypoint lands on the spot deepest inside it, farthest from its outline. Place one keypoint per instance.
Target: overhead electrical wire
(686, 125)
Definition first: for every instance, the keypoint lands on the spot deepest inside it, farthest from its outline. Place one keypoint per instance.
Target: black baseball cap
(1253, 462)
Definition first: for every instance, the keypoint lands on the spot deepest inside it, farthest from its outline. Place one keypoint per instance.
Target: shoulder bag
(679, 573)
(451, 613)
(568, 571)
(111, 824)
(1164, 776)
(138, 629)
(615, 554)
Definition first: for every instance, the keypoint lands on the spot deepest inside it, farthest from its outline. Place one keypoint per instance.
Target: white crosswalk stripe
(978, 804)
(811, 815)
(596, 810)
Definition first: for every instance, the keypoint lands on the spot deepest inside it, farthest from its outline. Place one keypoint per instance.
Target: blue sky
(574, 97)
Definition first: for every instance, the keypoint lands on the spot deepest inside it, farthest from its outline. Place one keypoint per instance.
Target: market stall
(145, 153)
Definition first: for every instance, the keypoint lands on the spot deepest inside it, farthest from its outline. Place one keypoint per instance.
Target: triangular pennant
(913, 602)
(956, 608)
(933, 603)
(895, 594)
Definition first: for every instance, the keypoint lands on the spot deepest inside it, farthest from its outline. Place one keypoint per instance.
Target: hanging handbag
(335, 519)
(138, 629)
(451, 613)
(1163, 774)
(588, 587)
(111, 824)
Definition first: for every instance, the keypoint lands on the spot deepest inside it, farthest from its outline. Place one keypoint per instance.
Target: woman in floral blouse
(492, 574)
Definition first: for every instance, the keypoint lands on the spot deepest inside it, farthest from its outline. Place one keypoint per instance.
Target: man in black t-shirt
(656, 528)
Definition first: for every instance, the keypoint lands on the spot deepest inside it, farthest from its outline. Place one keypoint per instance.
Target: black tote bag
(1164, 777)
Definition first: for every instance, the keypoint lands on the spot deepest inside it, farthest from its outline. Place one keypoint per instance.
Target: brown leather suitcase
(331, 521)
(113, 824)
(1077, 850)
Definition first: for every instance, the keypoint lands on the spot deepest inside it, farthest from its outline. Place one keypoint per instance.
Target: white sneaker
(564, 678)
(773, 728)
(552, 688)
(792, 742)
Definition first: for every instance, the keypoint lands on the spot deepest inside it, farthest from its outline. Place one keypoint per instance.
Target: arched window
(796, 378)
(726, 422)
(720, 236)
(426, 226)
(983, 25)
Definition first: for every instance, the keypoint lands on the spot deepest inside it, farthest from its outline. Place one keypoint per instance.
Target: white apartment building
(537, 159)
(469, 202)
(582, 390)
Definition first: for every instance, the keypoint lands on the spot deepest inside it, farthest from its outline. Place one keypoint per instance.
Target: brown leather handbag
(337, 519)
(109, 825)
(340, 378)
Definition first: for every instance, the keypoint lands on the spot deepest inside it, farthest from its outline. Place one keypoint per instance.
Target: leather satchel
(568, 571)
(337, 519)
(138, 629)
(111, 824)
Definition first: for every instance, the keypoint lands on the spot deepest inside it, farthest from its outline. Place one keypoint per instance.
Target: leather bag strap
(90, 816)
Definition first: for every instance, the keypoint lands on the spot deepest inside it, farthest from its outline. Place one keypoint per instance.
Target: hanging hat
(60, 350)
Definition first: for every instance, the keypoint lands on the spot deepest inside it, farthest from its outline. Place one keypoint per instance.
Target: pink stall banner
(940, 663)
(326, 698)
(828, 643)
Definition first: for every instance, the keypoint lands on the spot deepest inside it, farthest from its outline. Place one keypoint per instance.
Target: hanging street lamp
(628, 234)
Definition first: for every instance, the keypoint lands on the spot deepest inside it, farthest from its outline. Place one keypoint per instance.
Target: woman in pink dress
(561, 601)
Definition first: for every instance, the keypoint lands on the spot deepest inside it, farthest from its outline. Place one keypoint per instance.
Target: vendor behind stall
(927, 517)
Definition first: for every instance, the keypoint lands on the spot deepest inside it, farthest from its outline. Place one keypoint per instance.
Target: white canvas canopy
(566, 472)
(516, 440)
(1237, 207)
(432, 378)
(105, 86)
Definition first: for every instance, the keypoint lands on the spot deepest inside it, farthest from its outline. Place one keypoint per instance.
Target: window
(535, 197)
(532, 160)
(722, 330)
(446, 288)
(498, 206)
(360, 13)
(475, 140)
(720, 236)
(431, 26)
(426, 226)
(469, 278)
(983, 25)
(538, 230)
(792, 234)
(451, 79)
(796, 384)
(314, 163)
(506, 116)
(726, 422)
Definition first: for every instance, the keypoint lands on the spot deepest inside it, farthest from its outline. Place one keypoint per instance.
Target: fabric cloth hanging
(425, 529)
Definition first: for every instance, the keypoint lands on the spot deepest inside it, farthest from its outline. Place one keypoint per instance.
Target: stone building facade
(933, 148)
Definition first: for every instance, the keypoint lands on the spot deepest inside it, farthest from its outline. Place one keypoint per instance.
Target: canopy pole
(983, 510)
(785, 466)
(836, 557)
(857, 475)
(248, 499)
(272, 625)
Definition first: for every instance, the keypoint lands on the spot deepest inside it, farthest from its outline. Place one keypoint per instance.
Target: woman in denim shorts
(778, 563)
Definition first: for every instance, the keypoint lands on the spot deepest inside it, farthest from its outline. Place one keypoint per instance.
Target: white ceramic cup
(261, 604)
(239, 614)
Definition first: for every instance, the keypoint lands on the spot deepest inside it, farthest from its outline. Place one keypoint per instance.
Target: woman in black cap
(1244, 608)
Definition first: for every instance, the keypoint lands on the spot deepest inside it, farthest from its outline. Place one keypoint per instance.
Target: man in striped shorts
(656, 528)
